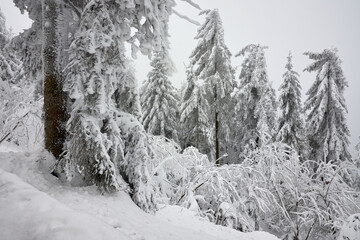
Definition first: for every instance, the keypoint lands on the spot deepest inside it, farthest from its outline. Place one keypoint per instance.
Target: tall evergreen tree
(105, 141)
(4, 33)
(290, 128)
(194, 113)
(159, 101)
(211, 63)
(326, 120)
(255, 110)
(10, 65)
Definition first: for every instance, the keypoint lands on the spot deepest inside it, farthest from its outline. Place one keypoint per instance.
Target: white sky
(282, 25)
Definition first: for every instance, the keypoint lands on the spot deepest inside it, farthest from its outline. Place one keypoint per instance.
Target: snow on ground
(36, 205)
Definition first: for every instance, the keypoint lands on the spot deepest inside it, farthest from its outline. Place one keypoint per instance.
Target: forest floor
(36, 205)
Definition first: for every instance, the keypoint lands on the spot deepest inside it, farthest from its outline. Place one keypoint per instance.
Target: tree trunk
(217, 154)
(54, 96)
(197, 125)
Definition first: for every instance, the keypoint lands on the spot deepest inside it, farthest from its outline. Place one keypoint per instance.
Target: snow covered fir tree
(194, 116)
(159, 102)
(255, 104)
(291, 129)
(210, 61)
(82, 142)
(326, 121)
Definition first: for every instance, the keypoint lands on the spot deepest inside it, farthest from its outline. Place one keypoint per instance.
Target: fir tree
(106, 143)
(211, 63)
(4, 33)
(159, 101)
(255, 110)
(290, 128)
(326, 119)
(194, 116)
(10, 65)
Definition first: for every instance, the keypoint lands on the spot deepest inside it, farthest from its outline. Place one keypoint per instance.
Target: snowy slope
(36, 205)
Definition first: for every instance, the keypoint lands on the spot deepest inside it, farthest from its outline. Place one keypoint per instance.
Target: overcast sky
(282, 25)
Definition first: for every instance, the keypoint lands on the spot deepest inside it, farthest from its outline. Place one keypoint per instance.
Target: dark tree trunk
(197, 125)
(54, 96)
(217, 154)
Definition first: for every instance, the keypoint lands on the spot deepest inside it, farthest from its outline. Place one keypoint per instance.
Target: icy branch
(186, 18)
(192, 4)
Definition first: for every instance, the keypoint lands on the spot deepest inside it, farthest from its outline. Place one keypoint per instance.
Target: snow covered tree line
(273, 184)
(213, 103)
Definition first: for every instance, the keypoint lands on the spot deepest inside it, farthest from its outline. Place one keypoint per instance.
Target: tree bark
(197, 125)
(217, 154)
(54, 96)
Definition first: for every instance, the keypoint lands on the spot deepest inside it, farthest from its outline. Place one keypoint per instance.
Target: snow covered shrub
(235, 195)
(329, 200)
(272, 189)
(312, 198)
(20, 119)
(351, 228)
(173, 169)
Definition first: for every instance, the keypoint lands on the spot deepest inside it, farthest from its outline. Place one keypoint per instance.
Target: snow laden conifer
(4, 33)
(210, 61)
(291, 129)
(159, 101)
(10, 66)
(255, 103)
(107, 145)
(326, 120)
(194, 114)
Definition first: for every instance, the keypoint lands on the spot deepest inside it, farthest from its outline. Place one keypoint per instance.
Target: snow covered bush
(272, 189)
(21, 117)
(351, 228)
(233, 195)
(173, 169)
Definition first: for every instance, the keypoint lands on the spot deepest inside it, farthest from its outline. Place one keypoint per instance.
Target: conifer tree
(159, 101)
(106, 143)
(328, 132)
(255, 110)
(290, 128)
(211, 63)
(194, 116)
(10, 66)
(4, 33)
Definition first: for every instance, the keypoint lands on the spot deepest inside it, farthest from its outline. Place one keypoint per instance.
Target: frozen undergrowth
(36, 205)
